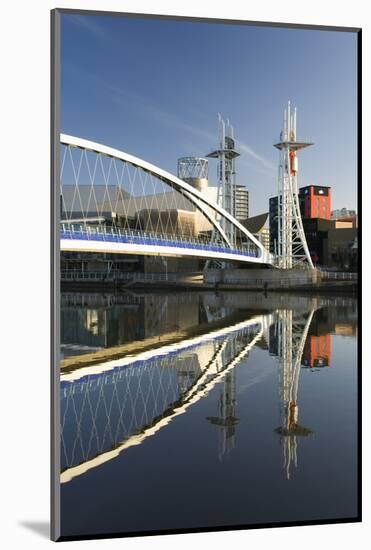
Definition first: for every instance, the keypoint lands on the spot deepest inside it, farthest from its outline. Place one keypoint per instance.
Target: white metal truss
(100, 183)
(226, 155)
(292, 245)
(192, 168)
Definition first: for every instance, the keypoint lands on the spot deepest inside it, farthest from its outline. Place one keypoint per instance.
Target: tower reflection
(290, 332)
(226, 420)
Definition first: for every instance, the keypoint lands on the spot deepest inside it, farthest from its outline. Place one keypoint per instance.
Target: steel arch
(198, 199)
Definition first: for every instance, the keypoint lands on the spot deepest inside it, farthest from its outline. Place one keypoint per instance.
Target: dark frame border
(55, 516)
(55, 527)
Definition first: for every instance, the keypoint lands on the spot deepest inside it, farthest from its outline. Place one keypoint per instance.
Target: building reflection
(90, 322)
(317, 351)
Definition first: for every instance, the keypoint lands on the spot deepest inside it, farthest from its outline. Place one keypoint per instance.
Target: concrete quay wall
(270, 278)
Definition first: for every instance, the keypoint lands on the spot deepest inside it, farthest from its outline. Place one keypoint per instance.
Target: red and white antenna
(292, 246)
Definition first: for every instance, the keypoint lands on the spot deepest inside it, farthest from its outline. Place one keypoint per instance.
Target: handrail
(69, 230)
(339, 275)
(127, 276)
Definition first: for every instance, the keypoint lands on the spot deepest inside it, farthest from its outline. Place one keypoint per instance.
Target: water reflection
(112, 410)
(111, 406)
(290, 335)
(226, 419)
(94, 321)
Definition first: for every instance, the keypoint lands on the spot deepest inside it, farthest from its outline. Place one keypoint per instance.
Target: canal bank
(223, 279)
(339, 288)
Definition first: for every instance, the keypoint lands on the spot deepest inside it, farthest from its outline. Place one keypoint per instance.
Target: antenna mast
(292, 244)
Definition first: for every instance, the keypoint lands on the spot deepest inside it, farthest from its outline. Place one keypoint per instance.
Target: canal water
(196, 410)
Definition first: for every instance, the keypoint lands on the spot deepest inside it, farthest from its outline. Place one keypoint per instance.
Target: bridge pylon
(226, 155)
(292, 245)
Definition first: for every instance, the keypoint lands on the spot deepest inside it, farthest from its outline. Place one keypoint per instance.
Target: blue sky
(153, 88)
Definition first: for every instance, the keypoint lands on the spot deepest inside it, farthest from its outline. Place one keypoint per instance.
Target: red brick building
(315, 201)
(317, 351)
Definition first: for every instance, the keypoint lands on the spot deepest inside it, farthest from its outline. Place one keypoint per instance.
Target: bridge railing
(72, 231)
(339, 276)
(114, 275)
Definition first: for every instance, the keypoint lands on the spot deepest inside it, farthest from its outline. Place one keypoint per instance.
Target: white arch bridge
(113, 202)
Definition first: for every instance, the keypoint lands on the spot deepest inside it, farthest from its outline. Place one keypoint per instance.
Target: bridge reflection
(110, 406)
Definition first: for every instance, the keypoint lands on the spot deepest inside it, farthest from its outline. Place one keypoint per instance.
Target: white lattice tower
(292, 244)
(226, 155)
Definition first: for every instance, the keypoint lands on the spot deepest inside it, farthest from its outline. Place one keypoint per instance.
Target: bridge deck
(147, 244)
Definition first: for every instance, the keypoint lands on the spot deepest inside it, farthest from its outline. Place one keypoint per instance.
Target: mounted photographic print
(205, 248)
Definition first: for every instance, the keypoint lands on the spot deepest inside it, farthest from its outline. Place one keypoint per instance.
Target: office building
(315, 202)
(241, 202)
